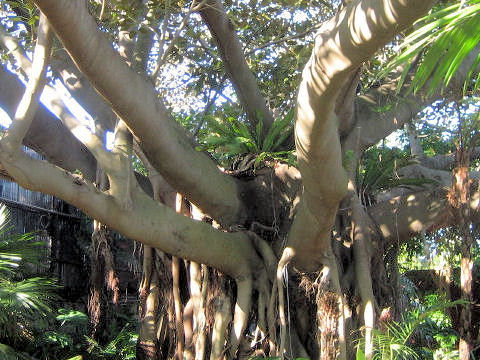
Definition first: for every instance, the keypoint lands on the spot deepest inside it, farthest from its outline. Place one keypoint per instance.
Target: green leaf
(446, 37)
(360, 355)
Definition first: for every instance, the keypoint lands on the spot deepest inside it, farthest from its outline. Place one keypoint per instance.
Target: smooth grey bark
(381, 111)
(231, 52)
(149, 222)
(446, 162)
(416, 149)
(416, 213)
(71, 77)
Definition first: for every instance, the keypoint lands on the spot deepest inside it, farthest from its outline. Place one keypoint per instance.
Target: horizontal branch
(149, 222)
(416, 213)
(381, 111)
(446, 162)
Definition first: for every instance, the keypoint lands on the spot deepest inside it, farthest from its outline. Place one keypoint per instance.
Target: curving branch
(417, 213)
(150, 222)
(76, 83)
(25, 112)
(83, 92)
(341, 45)
(56, 105)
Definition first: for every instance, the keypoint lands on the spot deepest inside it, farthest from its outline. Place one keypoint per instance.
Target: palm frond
(15, 248)
(23, 301)
(445, 37)
(31, 296)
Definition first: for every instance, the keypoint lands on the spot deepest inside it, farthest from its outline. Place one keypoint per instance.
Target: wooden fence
(54, 222)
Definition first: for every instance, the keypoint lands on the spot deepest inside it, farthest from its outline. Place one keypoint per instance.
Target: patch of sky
(441, 115)
(75, 108)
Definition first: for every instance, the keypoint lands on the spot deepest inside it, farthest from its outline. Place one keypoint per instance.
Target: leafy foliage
(69, 340)
(68, 337)
(25, 302)
(123, 346)
(445, 37)
(398, 340)
(232, 138)
(378, 171)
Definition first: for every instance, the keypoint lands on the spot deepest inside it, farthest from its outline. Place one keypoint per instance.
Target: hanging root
(272, 328)
(146, 277)
(242, 310)
(287, 256)
(330, 313)
(101, 253)
(262, 324)
(270, 263)
(266, 252)
(202, 322)
(222, 319)
(111, 277)
(148, 332)
(178, 307)
(188, 320)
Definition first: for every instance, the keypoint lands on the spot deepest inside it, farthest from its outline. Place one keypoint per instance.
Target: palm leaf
(278, 132)
(446, 37)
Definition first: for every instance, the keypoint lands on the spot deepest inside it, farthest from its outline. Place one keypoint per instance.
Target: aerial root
(178, 307)
(242, 310)
(198, 291)
(188, 321)
(272, 329)
(262, 325)
(266, 252)
(222, 319)
(287, 256)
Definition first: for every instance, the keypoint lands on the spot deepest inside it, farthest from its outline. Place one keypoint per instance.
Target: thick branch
(380, 111)
(446, 162)
(374, 123)
(342, 44)
(231, 52)
(148, 222)
(83, 92)
(134, 99)
(416, 213)
(56, 105)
